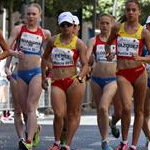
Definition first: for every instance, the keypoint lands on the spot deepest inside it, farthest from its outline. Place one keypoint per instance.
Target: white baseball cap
(76, 20)
(65, 17)
(148, 20)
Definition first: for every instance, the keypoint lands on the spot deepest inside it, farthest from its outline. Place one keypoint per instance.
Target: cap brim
(65, 20)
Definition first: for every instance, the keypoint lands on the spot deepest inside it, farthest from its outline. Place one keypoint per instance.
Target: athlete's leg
(126, 91)
(146, 124)
(108, 93)
(17, 109)
(22, 89)
(74, 101)
(58, 100)
(34, 92)
(116, 116)
(117, 108)
(96, 95)
(140, 87)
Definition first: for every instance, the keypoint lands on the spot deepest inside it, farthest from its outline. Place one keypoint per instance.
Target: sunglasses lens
(65, 24)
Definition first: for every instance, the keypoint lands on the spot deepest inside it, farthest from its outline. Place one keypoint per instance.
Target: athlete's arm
(13, 37)
(45, 61)
(83, 58)
(90, 47)
(7, 67)
(90, 51)
(4, 46)
(47, 34)
(146, 38)
(110, 40)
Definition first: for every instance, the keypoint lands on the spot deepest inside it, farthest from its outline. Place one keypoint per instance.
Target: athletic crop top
(31, 42)
(99, 50)
(64, 55)
(127, 44)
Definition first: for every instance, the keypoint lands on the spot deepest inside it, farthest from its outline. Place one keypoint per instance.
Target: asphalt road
(87, 136)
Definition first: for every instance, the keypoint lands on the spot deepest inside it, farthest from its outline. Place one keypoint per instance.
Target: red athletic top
(30, 42)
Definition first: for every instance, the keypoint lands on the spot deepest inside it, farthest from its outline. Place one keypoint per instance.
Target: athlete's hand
(136, 57)
(45, 84)
(110, 56)
(17, 54)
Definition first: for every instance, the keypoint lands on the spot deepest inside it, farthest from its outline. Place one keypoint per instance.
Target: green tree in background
(54, 7)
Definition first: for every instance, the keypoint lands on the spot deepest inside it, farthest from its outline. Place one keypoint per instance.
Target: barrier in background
(6, 102)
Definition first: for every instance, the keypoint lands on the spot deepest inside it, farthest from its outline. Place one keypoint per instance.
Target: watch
(80, 79)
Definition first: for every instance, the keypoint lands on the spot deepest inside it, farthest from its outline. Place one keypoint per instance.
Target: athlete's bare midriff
(63, 72)
(102, 69)
(127, 64)
(29, 62)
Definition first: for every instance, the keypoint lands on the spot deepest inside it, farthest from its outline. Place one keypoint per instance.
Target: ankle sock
(133, 146)
(125, 142)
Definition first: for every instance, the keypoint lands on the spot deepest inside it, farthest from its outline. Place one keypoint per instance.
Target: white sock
(125, 142)
(57, 142)
(133, 146)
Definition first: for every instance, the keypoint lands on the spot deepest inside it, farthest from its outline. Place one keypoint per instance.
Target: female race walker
(103, 78)
(131, 73)
(67, 86)
(146, 126)
(30, 38)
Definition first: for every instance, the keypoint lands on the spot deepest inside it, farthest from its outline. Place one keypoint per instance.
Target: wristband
(80, 79)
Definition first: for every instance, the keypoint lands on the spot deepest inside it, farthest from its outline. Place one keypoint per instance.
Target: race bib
(62, 57)
(30, 42)
(127, 46)
(101, 54)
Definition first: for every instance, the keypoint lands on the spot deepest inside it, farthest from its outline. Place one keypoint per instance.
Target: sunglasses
(66, 24)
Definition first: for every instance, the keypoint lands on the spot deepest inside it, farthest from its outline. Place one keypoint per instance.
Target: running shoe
(54, 147)
(114, 130)
(36, 138)
(63, 140)
(105, 146)
(147, 143)
(20, 144)
(25, 145)
(122, 146)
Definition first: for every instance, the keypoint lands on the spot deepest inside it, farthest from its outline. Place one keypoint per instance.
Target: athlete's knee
(139, 111)
(102, 110)
(59, 115)
(126, 109)
(117, 112)
(17, 113)
(74, 115)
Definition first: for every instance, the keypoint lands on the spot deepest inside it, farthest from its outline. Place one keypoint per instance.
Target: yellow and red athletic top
(64, 55)
(127, 44)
